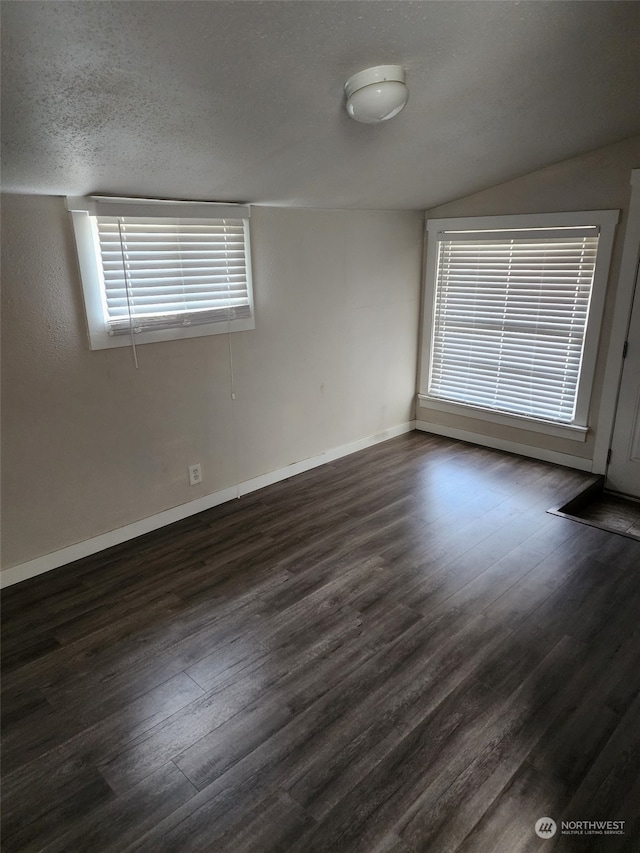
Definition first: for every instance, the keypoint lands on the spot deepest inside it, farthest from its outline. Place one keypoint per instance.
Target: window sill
(570, 431)
(101, 339)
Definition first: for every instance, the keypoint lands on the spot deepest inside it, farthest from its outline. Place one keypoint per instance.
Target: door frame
(619, 328)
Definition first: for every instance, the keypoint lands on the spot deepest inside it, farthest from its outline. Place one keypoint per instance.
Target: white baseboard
(323, 458)
(554, 456)
(47, 562)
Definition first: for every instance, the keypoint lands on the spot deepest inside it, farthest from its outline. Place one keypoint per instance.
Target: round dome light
(376, 94)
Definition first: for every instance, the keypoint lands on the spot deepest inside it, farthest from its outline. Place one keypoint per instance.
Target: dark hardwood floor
(398, 651)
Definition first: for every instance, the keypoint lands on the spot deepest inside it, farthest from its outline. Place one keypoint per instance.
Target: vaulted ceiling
(243, 101)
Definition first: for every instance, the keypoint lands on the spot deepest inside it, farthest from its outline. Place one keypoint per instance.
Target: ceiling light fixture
(376, 94)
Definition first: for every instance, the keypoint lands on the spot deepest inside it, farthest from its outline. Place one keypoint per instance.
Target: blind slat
(522, 235)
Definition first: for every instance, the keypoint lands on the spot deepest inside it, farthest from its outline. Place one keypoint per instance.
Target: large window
(512, 317)
(155, 270)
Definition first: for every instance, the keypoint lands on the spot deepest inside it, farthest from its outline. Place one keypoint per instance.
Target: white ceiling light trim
(376, 94)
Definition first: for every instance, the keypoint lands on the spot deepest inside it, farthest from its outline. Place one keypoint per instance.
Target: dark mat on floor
(598, 508)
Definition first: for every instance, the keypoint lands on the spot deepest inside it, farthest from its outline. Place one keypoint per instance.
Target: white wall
(595, 181)
(90, 444)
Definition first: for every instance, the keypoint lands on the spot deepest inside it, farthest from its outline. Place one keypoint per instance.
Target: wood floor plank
(27, 825)
(38, 779)
(118, 821)
(444, 814)
(272, 824)
(267, 692)
(22, 706)
(133, 668)
(386, 716)
(396, 789)
(614, 772)
(513, 816)
(80, 656)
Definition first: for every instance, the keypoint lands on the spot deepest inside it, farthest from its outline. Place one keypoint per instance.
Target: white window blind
(162, 272)
(162, 269)
(510, 317)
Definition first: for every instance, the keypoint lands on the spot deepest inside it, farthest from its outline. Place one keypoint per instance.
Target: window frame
(88, 249)
(606, 221)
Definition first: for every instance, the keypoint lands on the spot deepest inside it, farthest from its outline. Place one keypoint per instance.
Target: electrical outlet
(195, 474)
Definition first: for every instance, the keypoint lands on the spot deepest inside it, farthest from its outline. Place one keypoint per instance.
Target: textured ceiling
(243, 101)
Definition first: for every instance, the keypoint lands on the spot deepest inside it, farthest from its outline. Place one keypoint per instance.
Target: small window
(160, 270)
(514, 307)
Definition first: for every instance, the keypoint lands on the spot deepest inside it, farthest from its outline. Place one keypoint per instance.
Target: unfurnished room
(320, 426)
